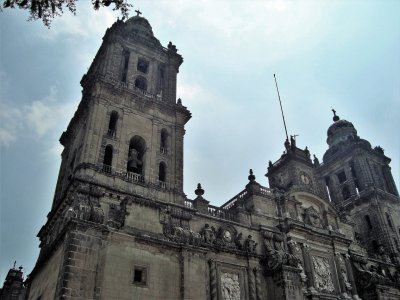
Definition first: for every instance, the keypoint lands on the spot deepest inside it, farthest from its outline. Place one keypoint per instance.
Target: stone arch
(162, 172)
(141, 83)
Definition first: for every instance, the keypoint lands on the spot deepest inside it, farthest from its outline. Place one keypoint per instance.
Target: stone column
(213, 280)
(252, 284)
(342, 274)
(350, 276)
(178, 157)
(257, 274)
(308, 268)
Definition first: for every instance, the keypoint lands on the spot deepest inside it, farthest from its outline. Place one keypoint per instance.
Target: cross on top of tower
(335, 117)
(138, 12)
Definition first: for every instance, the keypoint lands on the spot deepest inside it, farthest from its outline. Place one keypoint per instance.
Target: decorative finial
(138, 13)
(199, 191)
(14, 264)
(316, 161)
(335, 117)
(251, 177)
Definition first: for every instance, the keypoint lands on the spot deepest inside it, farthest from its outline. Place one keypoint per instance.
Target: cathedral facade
(121, 227)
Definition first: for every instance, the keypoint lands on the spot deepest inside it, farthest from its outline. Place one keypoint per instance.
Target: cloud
(86, 24)
(11, 122)
(37, 118)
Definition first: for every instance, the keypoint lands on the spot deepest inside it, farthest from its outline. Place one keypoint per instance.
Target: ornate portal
(322, 274)
(230, 287)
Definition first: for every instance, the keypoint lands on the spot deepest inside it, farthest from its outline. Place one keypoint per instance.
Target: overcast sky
(340, 54)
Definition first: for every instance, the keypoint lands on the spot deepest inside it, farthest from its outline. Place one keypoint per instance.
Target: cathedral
(121, 226)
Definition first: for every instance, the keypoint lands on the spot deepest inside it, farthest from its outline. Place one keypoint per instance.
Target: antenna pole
(280, 103)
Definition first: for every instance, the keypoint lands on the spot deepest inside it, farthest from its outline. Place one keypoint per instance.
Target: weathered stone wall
(45, 281)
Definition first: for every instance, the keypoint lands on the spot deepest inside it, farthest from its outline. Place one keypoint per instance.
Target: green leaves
(46, 10)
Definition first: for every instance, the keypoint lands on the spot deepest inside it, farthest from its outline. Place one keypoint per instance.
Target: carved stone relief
(275, 254)
(312, 217)
(177, 229)
(117, 214)
(86, 205)
(322, 274)
(230, 286)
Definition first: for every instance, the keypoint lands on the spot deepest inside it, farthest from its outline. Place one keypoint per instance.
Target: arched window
(141, 83)
(368, 221)
(328, 190)
(389, 220)
(162, 172)
(142, 65)
(72, 162)
(160, 80)
(163, 140)
(346, 192)
(107, 161)
(112, 125)
(375, 245)
(137, 148)
(125, 64)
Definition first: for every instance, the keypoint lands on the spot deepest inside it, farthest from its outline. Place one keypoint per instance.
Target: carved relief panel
(227, 281)
(323, 274)
(230, 286)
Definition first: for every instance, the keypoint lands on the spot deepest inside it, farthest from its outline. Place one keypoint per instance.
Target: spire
(335, 117)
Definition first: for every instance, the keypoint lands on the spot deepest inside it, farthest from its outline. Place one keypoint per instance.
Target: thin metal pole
(280, 103)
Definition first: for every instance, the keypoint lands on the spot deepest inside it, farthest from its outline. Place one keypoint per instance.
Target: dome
(140, 24)
(339, 125)
(340, 131)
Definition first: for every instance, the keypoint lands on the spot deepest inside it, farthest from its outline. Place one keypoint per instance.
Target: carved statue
(293, 141)
(307, 152)
(384, 256)
(238, 241)
(275, 254)
(287, 144)
(208, 234)
(116, 215)
(250, 245)
(316, 161)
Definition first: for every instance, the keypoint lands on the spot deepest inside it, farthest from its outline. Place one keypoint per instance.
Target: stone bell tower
(124, 143)
(359, 181)
(128, 129)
